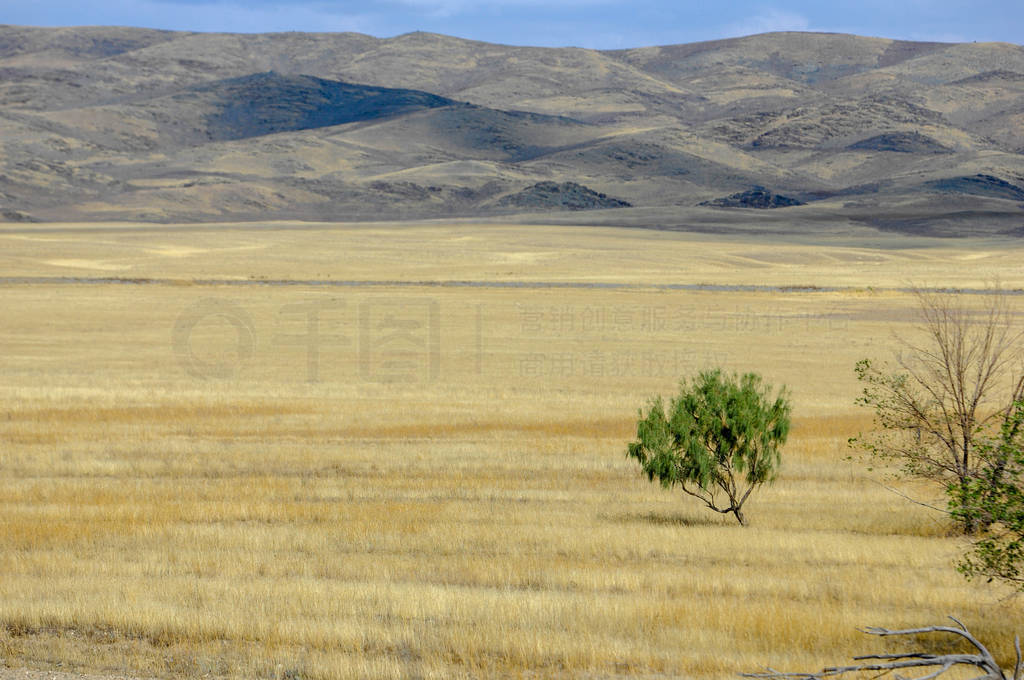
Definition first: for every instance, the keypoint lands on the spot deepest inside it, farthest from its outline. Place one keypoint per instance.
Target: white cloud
(766, 21)
(256, 17)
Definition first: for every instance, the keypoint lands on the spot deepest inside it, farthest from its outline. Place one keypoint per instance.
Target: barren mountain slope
(117, 123)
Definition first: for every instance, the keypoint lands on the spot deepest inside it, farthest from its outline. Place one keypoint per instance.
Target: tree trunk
(970, 521)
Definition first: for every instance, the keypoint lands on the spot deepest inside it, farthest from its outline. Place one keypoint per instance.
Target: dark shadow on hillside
(267, 103)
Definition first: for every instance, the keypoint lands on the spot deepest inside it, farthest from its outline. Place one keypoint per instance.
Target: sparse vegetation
(757, 197)
(994, 498)
(348, 127)
(720, 437)
(564, 196)
(481, 524)
(980, 658)
(958, 376)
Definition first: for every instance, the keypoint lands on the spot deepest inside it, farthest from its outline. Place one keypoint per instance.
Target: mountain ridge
(132, 124)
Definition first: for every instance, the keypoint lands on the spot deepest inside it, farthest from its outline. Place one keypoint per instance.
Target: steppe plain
(248, 428)
(223, 457)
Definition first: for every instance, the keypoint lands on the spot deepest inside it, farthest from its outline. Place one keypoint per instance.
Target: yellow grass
(473, 514)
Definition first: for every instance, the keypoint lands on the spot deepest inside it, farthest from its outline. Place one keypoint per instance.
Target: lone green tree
(718, 440)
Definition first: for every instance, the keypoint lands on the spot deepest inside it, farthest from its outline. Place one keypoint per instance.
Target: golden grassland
(184, 499)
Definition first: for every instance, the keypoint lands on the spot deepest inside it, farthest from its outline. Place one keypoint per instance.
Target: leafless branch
(912, 500)
(982, 660)
(957, 378)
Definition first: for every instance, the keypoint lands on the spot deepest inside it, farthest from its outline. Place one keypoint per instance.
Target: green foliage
(953, 412)
(720, 436)
(994, 498)
(918, 432)
(946, 393)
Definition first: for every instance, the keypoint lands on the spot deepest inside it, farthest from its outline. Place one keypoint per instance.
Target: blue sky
(604, 24)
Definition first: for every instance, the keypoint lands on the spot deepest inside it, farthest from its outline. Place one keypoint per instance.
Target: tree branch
(891, 662)
(912, 500)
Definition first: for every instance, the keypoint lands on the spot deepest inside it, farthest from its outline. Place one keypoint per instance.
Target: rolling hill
(133, 124)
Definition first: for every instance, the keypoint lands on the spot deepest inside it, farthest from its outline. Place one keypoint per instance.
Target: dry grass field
(291, 479)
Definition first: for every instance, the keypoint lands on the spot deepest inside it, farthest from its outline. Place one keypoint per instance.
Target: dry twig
(983, 659)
